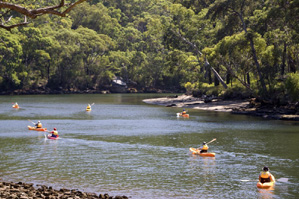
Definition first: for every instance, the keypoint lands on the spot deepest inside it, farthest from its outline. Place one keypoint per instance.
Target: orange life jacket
(205, 147)
(265, 174)
(39, 125)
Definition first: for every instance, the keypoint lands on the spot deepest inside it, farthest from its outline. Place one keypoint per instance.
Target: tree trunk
(200, 54)
(283, 64)
(248, 79)
(228, 78)
(216, 81)
(258, 66)
(253, 51)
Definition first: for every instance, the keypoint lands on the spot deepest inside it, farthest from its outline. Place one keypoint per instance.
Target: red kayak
(36, 129)
(52, 138)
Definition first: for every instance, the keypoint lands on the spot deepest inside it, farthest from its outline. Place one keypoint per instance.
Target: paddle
(208, 143)
(212, 141)
(278, 180)
(31, 121)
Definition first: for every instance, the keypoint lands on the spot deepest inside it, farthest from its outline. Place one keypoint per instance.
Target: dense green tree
(10, 61)
(158, 44)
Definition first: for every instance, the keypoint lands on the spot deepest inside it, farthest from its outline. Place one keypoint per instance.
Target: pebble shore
(22, 190)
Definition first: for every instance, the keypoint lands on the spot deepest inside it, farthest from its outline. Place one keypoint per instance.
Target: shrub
(292, 86)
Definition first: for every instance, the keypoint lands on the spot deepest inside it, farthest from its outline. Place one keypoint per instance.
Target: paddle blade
(282, 180)
(248, 180)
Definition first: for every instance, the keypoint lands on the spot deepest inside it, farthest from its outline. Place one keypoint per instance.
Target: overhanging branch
(199, 53)
(37, 12)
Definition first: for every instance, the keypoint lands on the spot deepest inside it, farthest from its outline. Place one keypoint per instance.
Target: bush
(292, 86)
(236, 92)
(190, 87)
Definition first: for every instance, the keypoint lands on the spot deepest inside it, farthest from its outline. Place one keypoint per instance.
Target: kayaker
(266, 176)
(38, 125)
(184, 112)
(88, 107)
(16, 105)
(204, 148)
(54, 133)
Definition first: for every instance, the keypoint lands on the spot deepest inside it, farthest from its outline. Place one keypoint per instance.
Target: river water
(126, 147)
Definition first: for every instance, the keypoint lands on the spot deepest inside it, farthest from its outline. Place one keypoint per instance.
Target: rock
(27, 191)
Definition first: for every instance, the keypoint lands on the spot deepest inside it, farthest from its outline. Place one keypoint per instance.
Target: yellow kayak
(266, 185)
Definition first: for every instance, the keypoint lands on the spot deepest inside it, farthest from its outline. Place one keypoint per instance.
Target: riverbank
(247, 107)
(22, 190)
(47, 91)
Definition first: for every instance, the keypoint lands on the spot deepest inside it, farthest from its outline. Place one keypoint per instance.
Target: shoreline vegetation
(29, 190)
(239, 106)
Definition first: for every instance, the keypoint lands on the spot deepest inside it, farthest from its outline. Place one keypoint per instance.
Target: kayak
(266, 185)
(36, 129)
(197, 152)
(14, 106)
(49, 136)
(180, 115)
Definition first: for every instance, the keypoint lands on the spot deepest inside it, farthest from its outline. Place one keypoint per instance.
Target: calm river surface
(126, 147)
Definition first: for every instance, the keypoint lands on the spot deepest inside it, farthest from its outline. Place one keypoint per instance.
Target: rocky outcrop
(22, 190)
(270, 110)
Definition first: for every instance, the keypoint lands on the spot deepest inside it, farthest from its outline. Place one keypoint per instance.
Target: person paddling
(184, 112)
(88, 108)
(16, 105)
(54, 133)
(38, 125)
(204, 148)
(266, 176)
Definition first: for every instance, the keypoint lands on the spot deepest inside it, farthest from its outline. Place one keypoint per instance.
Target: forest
(226, 48)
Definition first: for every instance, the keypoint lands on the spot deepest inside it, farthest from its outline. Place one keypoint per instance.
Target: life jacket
(265, 174)
(205, 147)
(55, 133)
(39, 125)
(184, 112)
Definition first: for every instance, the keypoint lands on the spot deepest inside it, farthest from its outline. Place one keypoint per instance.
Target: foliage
(171, 45)
(292, 86)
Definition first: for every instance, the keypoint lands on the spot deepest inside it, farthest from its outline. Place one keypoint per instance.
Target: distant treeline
(219, 47)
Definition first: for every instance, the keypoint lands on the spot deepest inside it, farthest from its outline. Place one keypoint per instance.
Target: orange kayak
(36, 129)
(15, 106)
(182, 115)
(266, 185)
(197, 152)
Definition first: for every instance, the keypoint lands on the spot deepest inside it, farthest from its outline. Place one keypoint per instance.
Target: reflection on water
(126, 147)
(266, 193)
